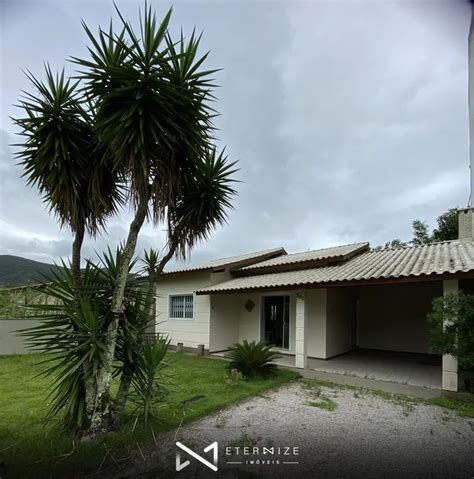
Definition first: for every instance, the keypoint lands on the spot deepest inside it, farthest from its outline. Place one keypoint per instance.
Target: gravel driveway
(337, 433)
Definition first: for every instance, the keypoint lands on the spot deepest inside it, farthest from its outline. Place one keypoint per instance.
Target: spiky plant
(144, 103)
(252, 359)
(60, 155)
(76, 337)
(151, 379)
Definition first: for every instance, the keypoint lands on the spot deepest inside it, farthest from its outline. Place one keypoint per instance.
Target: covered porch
(377, 332)
(422, 370)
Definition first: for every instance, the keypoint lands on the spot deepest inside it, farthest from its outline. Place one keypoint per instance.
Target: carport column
(450, 363)
(300, 333)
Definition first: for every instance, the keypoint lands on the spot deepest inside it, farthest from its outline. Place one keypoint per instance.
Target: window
(181, 307)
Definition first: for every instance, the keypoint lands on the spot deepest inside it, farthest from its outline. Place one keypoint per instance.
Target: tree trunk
(76, 261)
(126, 379)
(100, 419)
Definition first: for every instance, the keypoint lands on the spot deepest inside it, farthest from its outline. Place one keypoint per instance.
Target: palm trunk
(100, 419)
(126, 379)
(76, 261)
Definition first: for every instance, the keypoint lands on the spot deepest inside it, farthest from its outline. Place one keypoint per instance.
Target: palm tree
(61, 156)
(136, 127)
(153, 115)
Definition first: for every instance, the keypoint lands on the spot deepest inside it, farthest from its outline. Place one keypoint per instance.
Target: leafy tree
(420, 233)
(396, 243)
(447, 226)
(141, 130)
(447, 230)
(452, 327)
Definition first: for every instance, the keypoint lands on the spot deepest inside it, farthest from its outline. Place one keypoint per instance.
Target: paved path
(364, 436)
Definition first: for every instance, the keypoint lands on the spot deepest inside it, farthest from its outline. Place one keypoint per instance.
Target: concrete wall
(316, 302)
(190, 332)
(10, 342)
(250, 321)
(340, 303)
(393, 317)
(231, 322)
(226, 311)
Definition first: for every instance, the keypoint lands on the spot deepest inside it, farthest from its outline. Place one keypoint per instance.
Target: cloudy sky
(349, 118)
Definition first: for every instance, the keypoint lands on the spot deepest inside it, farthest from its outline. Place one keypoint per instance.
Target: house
(346, 309)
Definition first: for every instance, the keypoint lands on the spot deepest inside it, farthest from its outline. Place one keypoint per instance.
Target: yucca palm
(152, 99)
(60, 156)
(138, 121)
(76, 337)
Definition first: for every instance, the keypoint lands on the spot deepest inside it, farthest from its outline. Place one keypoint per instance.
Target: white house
(335, 309)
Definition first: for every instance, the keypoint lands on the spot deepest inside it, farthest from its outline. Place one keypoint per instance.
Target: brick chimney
(466, 224)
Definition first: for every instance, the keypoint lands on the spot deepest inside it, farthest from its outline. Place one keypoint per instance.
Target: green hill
(17, 271)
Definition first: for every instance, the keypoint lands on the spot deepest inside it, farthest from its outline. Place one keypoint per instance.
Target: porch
(423, 370)
(412, 369)
(374, 332)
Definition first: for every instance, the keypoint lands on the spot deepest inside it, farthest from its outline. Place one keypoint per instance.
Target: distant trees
(446, 230)
(420, 233)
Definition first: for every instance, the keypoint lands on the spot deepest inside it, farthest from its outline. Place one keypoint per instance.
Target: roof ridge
(331, 247)
(246, 254)
(210, 263)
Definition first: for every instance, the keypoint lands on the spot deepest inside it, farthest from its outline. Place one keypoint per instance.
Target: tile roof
(337, 252)
(415, 261)
(232, 260)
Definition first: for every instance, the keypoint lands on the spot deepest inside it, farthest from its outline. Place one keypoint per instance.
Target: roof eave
(422, 278)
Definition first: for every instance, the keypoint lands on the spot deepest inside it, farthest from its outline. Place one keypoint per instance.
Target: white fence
(10, 341)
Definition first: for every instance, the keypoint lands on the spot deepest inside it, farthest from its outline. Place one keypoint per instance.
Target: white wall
(339, 320)
(189, 332)
(316, 302)
(231, 322)
(393, 317)
(225, 318)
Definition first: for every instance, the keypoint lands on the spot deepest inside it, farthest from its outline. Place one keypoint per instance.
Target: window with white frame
(181, 306)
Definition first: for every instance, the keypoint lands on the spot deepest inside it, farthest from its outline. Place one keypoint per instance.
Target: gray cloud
(349, 118)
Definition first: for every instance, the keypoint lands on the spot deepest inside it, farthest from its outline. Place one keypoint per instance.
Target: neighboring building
(318, 305)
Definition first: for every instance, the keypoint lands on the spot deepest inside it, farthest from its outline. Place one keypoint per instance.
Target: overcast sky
(349, 118)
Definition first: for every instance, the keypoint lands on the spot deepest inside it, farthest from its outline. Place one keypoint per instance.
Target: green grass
(463, 406)
(324, 403)
(29, 443)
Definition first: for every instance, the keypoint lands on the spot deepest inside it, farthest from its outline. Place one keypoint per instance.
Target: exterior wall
(190, 332)
(339, 325)
(226, 311)
(231, 322)
(393, 317)
(10, 342)
(250, 321)
(315, 305)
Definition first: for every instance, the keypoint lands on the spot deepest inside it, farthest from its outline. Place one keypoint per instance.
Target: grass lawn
(29, 443)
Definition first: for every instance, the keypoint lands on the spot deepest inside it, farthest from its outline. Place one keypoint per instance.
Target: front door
(276, 321)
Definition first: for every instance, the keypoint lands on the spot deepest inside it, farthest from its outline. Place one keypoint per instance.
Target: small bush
(452, 327)
(252, 359)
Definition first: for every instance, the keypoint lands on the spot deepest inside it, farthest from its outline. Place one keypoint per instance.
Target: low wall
(10, 342)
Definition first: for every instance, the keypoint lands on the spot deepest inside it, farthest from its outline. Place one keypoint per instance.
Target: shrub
(150, 381)
(252, 359)
(452, 327)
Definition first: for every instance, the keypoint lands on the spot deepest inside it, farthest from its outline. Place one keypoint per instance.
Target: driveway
(305, 430)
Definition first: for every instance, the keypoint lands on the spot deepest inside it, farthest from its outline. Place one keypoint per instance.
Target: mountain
(17, 271)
